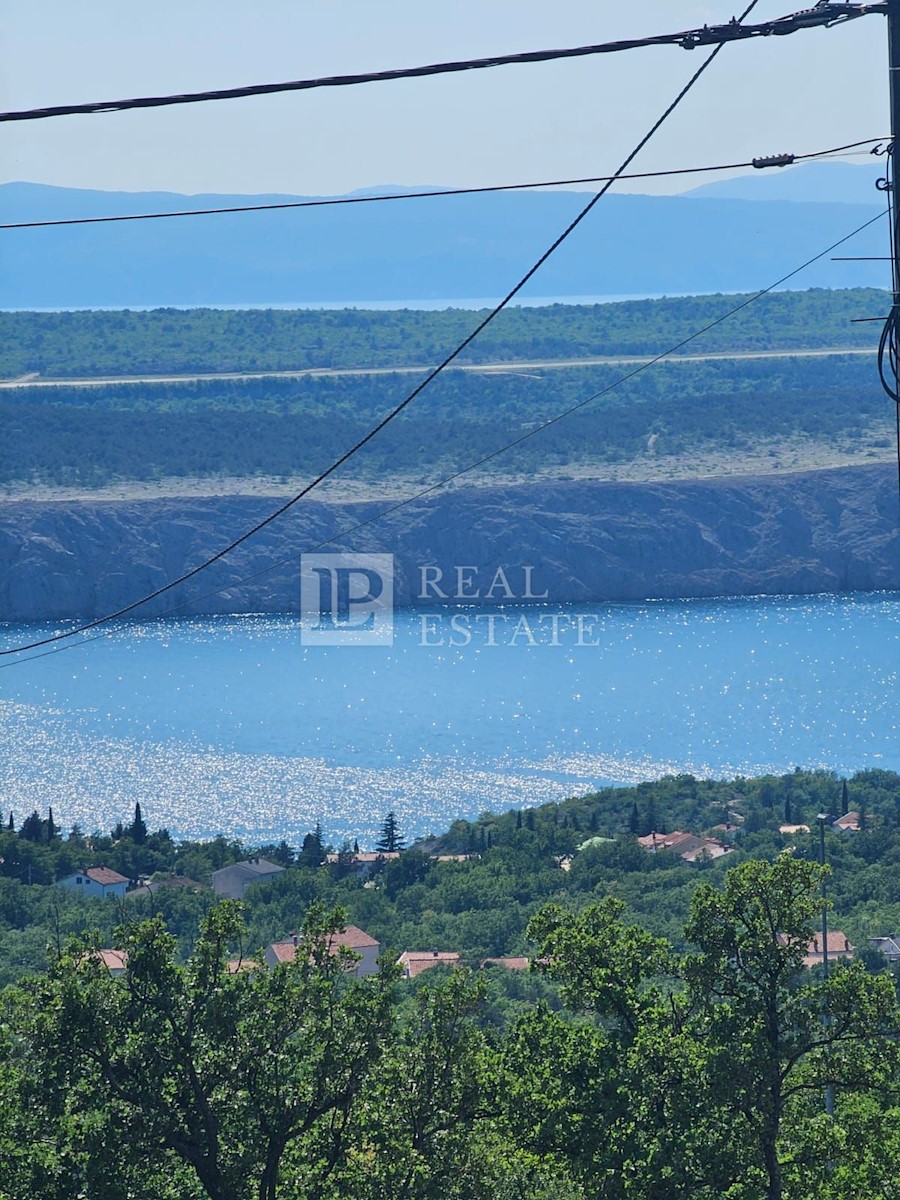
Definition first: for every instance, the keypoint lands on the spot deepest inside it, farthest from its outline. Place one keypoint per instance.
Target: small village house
(98, 882)
(232, 881)
(414, 962)
(352, 938)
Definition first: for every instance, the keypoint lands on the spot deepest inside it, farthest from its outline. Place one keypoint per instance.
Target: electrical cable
(824, 14)
(434, 487)
(758, 163)
(420, 387)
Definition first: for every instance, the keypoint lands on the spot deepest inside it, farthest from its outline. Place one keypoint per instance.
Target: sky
(573, 118)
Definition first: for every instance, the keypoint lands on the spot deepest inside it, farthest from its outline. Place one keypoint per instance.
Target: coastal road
(517, 367)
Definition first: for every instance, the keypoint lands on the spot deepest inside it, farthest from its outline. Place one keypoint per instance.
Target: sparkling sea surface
(230, 724)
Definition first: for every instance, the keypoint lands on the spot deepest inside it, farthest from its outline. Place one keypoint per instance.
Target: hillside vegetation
(667, 1041)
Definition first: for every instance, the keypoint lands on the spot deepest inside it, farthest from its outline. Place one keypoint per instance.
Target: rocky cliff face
(585, 541)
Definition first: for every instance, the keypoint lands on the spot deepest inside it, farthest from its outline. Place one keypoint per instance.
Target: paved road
(497, 368)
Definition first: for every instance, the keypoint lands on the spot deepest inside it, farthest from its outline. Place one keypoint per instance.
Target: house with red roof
(688, 846)
(352, 938)
(839, 948)
(850, 822)
(115, 961)
(97, 881)
(414, 962)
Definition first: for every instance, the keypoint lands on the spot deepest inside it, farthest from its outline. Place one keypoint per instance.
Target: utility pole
(893, 23)
(823, 819)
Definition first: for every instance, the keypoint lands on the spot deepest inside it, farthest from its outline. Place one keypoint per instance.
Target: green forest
(162, 341)
(667, 1041)
(289, 427)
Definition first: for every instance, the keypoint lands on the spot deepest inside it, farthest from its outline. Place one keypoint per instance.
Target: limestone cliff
(813, 532)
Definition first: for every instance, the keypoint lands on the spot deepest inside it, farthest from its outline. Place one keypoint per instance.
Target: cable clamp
(774, 160)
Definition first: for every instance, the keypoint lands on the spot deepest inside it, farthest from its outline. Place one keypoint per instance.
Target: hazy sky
(798, 93)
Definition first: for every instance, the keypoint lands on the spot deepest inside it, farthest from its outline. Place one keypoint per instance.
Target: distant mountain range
(737, 235)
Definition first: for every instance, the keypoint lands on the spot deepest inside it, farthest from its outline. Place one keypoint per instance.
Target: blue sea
(232, 725)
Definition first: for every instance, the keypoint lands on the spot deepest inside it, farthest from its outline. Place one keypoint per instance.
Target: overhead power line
(780, 160)
(823, 14)
(420, 387)
(472, 466)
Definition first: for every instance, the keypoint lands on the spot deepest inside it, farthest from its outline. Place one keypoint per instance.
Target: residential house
(689, 847)
(115, 961)
(510, 964)
(889, 946)
(352, 938)
(151, 887)
(414, 962)
(232, 881)
(97, 881)
(839, 948)
(362, 862)
(849, 823)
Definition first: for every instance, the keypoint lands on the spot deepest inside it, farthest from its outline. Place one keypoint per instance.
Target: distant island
(715, 473)
(738, 235)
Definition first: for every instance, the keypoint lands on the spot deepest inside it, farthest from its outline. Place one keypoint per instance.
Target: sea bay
(231, 724)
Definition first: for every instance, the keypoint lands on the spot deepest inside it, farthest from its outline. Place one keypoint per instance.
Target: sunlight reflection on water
(229, 724)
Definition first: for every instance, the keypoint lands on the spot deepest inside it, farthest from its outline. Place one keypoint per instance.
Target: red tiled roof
(662, 841)
(838, 947)
(706, 848)
(353, 938)
(236, 965)
(104, 876)
(113, 960)
(511, 964)
(283, 952)
(850, 821)
(686, 845)
(414, 962)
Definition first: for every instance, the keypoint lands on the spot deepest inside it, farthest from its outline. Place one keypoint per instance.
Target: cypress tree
(138, 830)
(391, 839)
(845, 799)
